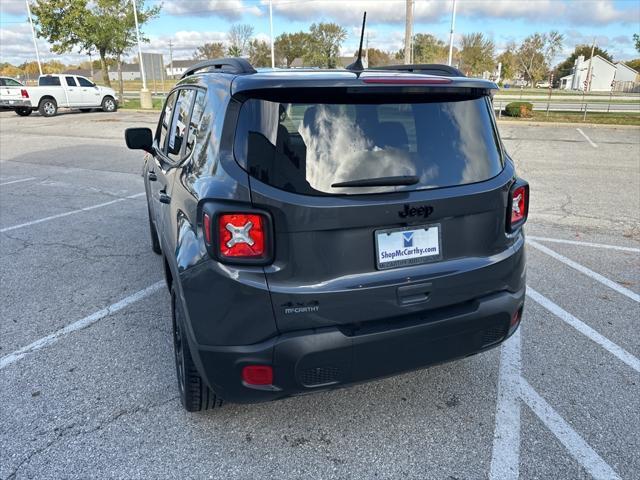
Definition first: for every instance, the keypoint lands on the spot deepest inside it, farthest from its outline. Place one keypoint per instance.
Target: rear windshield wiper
(379, 182)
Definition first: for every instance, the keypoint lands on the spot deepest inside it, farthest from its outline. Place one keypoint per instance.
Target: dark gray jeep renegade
(325, 227)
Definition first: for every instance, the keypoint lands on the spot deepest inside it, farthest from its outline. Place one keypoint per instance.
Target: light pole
(273, 57)
(145, 94)
(453, 25)
(33, 34)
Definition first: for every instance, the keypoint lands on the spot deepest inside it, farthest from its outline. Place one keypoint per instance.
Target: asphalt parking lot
(87, 381)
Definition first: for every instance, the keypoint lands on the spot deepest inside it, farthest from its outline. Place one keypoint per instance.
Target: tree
(324, 42)
(209, 51)
(100, 25)
(53, 66)
(377, 57)
(635, 64)
(536, 54)
(239, 37)
(509, 61)
(476, 53)
(259, 53)
(8, 70)
(429, 49)
(564, 68)
(234, 51)
(636, 40)
(290, 46)
(30, 69)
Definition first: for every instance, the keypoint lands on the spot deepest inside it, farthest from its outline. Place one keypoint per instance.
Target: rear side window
(49, 81)
(178, 129)
(10, 82)
(71, 81)
(194, 123)
(308, 147)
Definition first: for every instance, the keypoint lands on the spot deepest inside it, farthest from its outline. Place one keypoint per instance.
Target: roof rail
(428, 68)
(223, 65)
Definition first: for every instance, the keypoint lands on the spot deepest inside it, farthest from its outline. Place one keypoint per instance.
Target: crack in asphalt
(62, 432)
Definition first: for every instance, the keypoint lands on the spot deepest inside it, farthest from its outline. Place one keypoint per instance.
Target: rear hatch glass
(309, 147)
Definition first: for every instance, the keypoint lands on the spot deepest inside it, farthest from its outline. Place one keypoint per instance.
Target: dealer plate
(399, 247)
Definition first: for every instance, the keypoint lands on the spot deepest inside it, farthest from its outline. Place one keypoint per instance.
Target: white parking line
(18, 181)
(572, 441)
(72, 212)
(584, 244)
(588, 139)
(596, 276)
(505, 459)
(585, 329)
(78, 325)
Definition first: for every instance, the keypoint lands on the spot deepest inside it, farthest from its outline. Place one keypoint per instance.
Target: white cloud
(12, 7)
(231, 10)
(16, 46)
(350, 12)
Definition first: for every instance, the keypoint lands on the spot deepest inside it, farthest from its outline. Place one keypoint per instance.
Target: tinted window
(71, 81)
(166, 119)
(194, 123)
(85, 83)
(10, 82)
(49, 81)
(306, 148)
(178, 129)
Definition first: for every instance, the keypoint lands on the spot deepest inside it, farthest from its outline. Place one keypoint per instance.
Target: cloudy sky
(189, 23)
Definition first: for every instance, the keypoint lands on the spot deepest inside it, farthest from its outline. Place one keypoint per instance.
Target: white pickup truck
(58, 91)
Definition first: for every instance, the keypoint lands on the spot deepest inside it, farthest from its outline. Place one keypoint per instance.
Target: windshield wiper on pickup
(379, 182)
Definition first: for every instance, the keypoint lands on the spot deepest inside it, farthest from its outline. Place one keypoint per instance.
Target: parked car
(320, 228)
(543, 84)
(60, 91)
(11, 94)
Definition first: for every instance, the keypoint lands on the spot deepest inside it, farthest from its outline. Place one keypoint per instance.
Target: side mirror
(139, 139)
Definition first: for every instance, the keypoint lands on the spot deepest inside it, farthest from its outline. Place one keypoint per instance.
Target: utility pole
(587, 83)
(33, 34)
(273, 56)
(408, 32)
(453, 25)
(171, 58)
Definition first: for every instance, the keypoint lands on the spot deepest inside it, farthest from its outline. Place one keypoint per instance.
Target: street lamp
(145, 94)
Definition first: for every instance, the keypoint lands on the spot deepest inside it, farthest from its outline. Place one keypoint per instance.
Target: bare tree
(209, 51)
(537, 52)
(239, 37)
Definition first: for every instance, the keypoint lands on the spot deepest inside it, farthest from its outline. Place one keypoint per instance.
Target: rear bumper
(13, 104)
(331, 357)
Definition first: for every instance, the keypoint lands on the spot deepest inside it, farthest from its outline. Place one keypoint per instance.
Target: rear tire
(155, 242)
(23, 112)
(48, 107)
(195, 395)
(109, 104)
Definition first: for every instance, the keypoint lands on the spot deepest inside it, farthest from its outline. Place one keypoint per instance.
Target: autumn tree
(323, 46)
(536, 54)
(259, 53)
(88, 25)
(239, 37)
(429, 49)
(509, 61)
(476, 53)
(377, 57)
(209, 51)
(290, 46)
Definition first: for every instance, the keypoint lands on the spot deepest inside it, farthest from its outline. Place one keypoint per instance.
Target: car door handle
(164, 198)
(152, 177)
(411, 294)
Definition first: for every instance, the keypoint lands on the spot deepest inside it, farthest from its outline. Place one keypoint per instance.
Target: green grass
(576, 117)
(134, 104)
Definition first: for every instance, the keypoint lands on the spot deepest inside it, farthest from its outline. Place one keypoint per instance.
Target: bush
(519, 109)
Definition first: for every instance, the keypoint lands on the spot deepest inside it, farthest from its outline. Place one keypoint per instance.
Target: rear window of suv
(308, 147)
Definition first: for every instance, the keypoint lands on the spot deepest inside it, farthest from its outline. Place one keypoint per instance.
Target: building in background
(179, 67)
(130, 71)
(605, 76)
